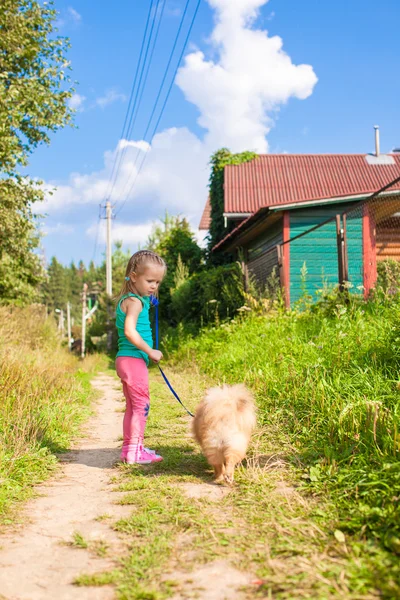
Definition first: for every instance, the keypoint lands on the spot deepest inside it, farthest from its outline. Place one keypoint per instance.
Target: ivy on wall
(219, 160)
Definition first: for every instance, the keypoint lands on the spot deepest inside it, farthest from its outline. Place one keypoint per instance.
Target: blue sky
(320, 89)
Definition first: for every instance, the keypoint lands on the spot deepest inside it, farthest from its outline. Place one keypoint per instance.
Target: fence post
(283, 266)
(244, 259)
(280, 264)
(340, 252)
(345, 253)
(369, 249)
(84, 292)
(341, 238)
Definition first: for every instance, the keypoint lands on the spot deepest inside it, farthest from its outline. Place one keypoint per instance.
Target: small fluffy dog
(223, 424)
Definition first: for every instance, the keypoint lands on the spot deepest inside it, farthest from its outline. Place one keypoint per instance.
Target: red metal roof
(205, 220)
(273, 179)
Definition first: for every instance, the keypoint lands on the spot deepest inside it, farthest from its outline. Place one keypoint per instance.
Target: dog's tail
(243, 397)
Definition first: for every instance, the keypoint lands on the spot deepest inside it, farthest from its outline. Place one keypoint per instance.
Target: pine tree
(56, 287)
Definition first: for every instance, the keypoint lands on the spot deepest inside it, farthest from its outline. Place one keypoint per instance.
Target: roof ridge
(287, 154)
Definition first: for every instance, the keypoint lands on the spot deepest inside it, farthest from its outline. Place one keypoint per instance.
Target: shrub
(210, 296)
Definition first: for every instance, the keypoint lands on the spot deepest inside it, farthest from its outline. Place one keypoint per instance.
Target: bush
(388, 280)
(209, 297)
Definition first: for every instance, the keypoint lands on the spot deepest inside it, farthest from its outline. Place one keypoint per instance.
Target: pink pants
(135, 382)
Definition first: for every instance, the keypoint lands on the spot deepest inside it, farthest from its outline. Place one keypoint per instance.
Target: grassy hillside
(43, 398)
(328, 380)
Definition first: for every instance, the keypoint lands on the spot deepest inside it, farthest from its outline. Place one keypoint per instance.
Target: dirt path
(165, 530)
(37, 563)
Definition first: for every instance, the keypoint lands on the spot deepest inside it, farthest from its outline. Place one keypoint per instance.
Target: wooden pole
(286, 257)
(245, 268)
(280, 265)
(109, 275)
(345, 254)
(108, 251)
(84, 292)
(339, 251)
(69, 325)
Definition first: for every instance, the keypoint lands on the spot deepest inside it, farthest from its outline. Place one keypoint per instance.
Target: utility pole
(108, 251)
(109, 274)
(85, 287)
(60, 327)
(69, 325)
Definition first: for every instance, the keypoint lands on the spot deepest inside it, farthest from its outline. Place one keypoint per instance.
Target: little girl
(144, 273)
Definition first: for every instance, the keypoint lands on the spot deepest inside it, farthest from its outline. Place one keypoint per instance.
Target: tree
(160, 231)
(174, 241)
(21, 269)
(180, 242)
(33, 101)
(56, 287)
(34, 89)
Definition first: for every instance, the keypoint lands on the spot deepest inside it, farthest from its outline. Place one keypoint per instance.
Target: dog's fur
(223, 424)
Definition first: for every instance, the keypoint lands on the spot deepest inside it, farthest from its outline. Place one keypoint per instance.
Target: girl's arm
(133, 309)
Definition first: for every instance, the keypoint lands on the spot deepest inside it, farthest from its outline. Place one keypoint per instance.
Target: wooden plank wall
(318, 250)
(261, 260)
(388, 239)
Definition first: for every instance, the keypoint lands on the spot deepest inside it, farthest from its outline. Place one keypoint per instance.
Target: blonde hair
(137, 264)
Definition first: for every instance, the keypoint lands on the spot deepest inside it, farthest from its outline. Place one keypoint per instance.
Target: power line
(165, 100)
(136, 104)
(162, 83)
(148, 67)
(118, 155)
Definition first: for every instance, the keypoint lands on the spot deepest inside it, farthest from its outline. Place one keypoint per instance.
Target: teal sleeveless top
(143, 327)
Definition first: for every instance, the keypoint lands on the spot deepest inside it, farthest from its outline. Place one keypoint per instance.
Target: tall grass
(43, 398)
(328, 376)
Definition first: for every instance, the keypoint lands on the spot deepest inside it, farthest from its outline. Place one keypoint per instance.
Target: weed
(79, 541)
(326, 379)
(44, 397)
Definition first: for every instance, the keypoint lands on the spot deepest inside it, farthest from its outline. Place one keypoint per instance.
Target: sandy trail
(35, 561)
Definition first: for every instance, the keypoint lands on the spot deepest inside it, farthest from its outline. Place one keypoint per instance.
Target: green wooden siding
(261, 255)
(318, 250)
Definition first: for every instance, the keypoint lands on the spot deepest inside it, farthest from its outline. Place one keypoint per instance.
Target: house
(275, 198)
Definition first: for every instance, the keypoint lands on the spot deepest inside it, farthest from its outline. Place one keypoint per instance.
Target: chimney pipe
(377, 150)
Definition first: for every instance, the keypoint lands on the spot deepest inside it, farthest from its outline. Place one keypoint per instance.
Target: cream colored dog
(223, 424)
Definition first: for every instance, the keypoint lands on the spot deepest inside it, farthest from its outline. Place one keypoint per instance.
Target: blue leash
(155, 303)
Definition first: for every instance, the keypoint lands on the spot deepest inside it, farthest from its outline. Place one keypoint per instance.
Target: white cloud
(174, 177)
(141, 145)
(70, 16)
(133, 234)
(60, 228)
(74, 15)
(239, 92)
(76, 102)
(110, 97)
(172, 9)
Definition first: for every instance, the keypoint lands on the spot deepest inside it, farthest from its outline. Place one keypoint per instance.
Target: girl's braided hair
(137, 263)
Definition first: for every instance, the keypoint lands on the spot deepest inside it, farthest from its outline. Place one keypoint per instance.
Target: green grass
(45, 395)
(287, 541)
(328, 378)
(79, 541)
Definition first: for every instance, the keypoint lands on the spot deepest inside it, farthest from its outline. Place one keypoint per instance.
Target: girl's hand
(155, 356)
